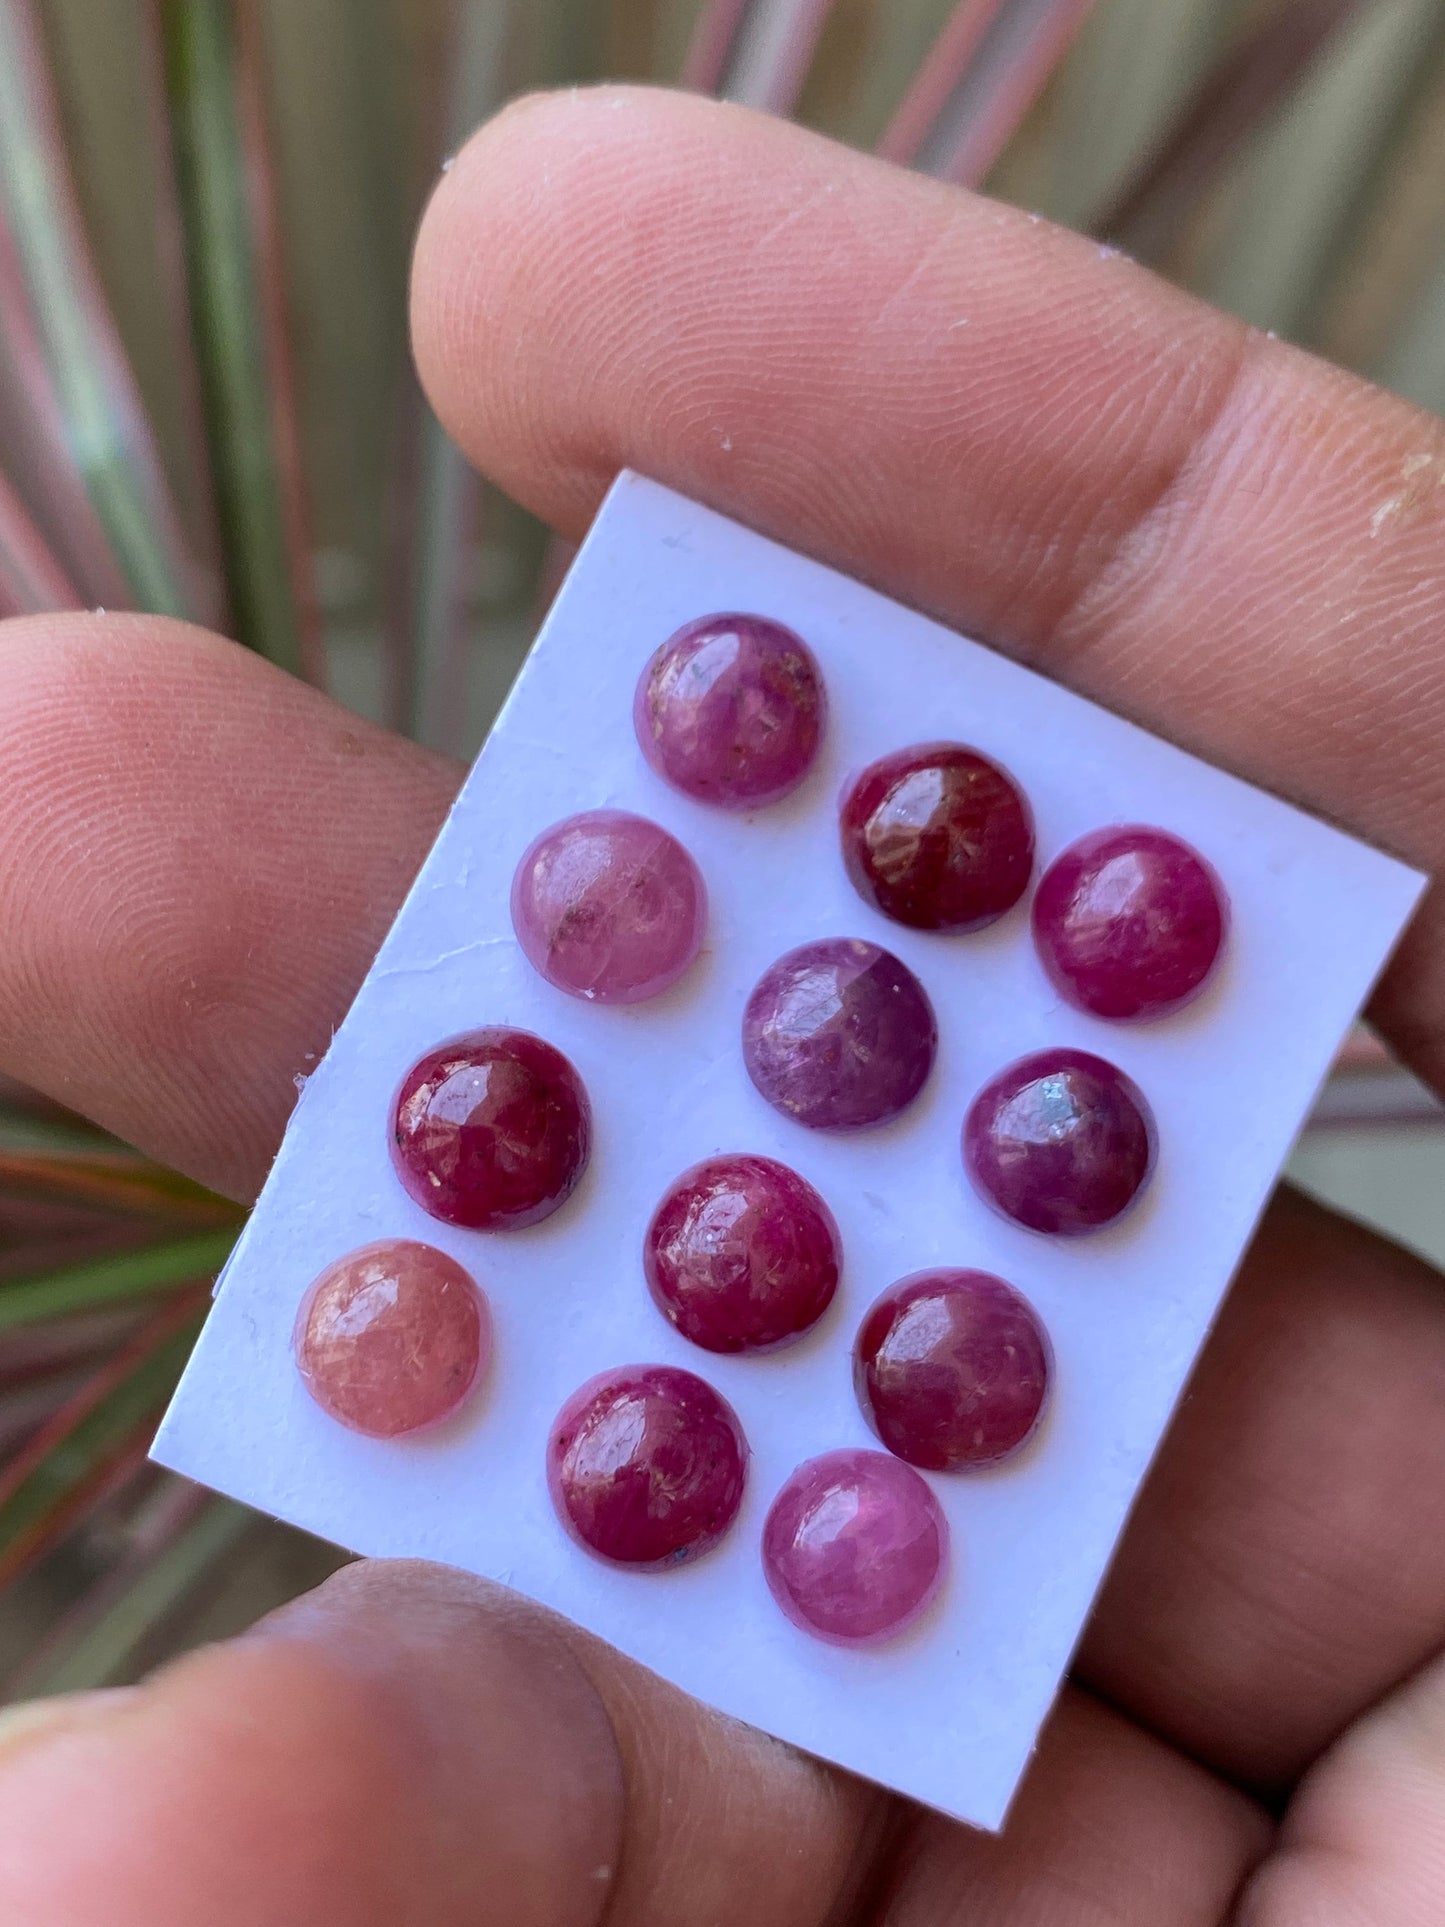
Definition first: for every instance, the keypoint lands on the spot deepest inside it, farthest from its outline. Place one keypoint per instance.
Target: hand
(1039, 443)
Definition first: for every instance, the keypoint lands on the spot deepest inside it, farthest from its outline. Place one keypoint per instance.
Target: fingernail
(31, 1722)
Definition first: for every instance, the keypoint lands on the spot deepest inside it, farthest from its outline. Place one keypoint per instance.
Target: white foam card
(949, 1713)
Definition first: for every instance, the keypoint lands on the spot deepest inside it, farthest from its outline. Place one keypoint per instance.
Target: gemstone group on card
(730, 710)
(393, 1338)
(855, 1547)
(1129, 923)
(938, 837)
(952, 1369)
(609, 907)
(646, 1466)
(839, 1035)
(1062, 1142)
(741, 1254)
(979, 1457)
(491, 1130)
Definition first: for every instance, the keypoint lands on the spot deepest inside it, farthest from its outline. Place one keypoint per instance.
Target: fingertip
(62, 648)
(33, 1723)
(231, 1788)
(871, 366)
(535, 254)
(490, 249)
(198, 857)
(393, 1749)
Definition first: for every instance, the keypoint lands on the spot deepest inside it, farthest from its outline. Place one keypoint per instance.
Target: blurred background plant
(206, 408)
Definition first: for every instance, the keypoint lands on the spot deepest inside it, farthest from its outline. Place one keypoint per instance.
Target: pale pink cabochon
(608, 906)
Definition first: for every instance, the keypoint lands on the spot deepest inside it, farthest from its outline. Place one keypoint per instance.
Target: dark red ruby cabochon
(492, 1130)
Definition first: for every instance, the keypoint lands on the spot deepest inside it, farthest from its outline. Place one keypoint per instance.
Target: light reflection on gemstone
(615, 1439)
(831, 1515)
(368, 1305)
(713, 657)
(1044, 1112)
(921, 1328)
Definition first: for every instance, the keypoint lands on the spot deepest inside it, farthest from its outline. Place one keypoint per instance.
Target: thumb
(411, 1747)
(1364, 1838)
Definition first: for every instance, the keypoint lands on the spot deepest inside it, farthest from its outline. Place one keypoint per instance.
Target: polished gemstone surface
(1062, 1142)
(393, 1338)
(492, 1130)
(854, 1547)
(646, 1465)
(741, 1254)
(952, 1369)
(938, 837)
(731, 710)
(609, 907)
(839, 1035)
(1129, 922)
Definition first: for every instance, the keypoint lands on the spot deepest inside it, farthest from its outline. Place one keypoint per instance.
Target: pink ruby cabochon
(1130, 923)
(937, 836)
(952, 1369)
(646, 1466)
(731, 710)
(855, 1547)
(609, 907)
(491, 1130)
(741, 1254)
(393, 1338)
(1061, 1141)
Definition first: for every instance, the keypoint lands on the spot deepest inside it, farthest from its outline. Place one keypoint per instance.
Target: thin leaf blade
(115, 1280)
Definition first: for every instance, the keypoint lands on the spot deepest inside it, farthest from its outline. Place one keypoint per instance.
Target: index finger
(999, 422)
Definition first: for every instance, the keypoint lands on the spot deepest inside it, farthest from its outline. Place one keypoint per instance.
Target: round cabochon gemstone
(855, 1547)
(492, 1130)
(952, 1369)
(937, 837)
(839, 1035)
(646, 1465)
(731, 710)
(1129, 923)
(393, 1338)
(1062, 1142)
(741, 1254)
(609, 907)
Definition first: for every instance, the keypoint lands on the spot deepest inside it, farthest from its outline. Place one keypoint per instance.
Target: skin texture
(1204, 529)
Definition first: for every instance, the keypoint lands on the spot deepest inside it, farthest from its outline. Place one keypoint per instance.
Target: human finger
(198, 859)
(1000, 422)
(410, 1744)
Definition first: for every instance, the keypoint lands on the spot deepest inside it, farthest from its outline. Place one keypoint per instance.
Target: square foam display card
(949, 1710)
